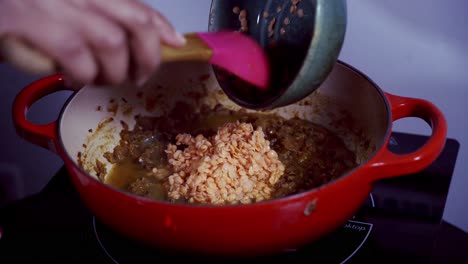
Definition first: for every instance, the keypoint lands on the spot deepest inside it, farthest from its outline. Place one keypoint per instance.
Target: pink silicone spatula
(232, 51)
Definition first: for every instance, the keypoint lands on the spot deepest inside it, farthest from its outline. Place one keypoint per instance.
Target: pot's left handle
(42, 135)
(388, 164)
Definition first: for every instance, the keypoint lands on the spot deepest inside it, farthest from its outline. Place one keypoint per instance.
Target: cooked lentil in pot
(218, 156)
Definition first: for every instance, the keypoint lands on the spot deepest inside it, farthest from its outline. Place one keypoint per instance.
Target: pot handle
(42, 135)
(387, 164)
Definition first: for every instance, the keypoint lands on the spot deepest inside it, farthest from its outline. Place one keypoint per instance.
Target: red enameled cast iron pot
(348, 103)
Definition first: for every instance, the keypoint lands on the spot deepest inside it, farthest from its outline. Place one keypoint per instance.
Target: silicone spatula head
(238, 54)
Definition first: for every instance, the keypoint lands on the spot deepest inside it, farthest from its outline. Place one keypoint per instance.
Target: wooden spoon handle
(27, 58)
(194, 50)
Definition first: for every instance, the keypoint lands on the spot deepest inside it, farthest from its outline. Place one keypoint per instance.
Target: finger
(135, 13)
(106, 38)
(63, 45)
(143, 33)
(167, 32)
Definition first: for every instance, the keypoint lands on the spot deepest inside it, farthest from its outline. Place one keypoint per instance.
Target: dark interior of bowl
(284, 28)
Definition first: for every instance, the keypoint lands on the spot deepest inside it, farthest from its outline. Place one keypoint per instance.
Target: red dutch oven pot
(259, 228)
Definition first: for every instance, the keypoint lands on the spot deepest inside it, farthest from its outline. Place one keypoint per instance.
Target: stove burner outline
(363, 241)
(100, 242)
(371, 197)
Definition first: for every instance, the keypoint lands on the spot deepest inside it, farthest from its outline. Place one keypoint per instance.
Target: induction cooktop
(401, 222)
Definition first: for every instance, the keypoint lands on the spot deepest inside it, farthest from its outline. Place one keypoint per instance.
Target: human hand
(92, 41)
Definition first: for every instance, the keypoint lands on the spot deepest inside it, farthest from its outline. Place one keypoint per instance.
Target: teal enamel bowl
(302, 42)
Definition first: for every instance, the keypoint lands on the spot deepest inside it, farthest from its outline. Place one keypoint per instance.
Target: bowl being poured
(302, 39)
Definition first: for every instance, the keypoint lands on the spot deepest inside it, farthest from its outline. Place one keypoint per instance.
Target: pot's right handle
(42, 135)
(387, 164)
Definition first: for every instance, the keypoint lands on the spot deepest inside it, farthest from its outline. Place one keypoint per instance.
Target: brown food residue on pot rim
(113, 107)
(100, 170)
(128, 109)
